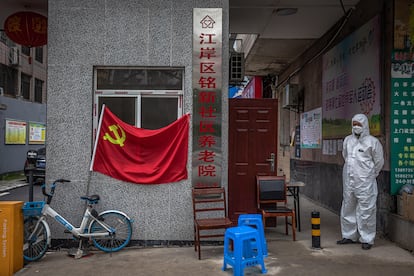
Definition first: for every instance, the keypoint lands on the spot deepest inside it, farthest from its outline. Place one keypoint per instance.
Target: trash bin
(11, 237)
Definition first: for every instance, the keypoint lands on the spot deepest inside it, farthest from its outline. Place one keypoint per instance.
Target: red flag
(139, 155)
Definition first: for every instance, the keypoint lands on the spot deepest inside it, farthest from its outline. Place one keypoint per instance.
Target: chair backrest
(271, 189)
(210, 201)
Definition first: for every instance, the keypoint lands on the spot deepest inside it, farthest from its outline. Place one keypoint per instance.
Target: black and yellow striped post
(316, 230)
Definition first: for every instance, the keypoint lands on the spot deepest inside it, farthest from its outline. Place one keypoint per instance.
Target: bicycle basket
(33, 208)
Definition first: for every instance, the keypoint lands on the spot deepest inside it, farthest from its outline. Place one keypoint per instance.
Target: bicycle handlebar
(52, 189)
(61, 180)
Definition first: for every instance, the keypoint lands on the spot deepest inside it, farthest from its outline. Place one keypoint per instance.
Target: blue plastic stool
(256, 221)
(239, 257)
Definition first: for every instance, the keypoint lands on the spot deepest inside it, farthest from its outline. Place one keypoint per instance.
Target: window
(140, 79)
(25, 86)
(38, 91)
(39, 54)
(3, 37)
(152, 118)
(149, 98)
(6, 40)
(26, 50)
(123, 107)
(8, 80)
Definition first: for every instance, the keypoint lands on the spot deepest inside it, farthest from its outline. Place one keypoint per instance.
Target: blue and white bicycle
(110, 231)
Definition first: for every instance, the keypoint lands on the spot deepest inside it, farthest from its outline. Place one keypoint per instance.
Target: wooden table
(293, 188)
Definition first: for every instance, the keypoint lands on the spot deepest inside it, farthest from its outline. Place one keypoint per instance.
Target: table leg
(294, 191)
(298, 213)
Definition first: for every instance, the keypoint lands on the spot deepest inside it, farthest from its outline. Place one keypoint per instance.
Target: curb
(6, 186)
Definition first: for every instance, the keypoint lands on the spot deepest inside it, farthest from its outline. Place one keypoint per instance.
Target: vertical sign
(207, 86)
(402, 133)
(402, 99)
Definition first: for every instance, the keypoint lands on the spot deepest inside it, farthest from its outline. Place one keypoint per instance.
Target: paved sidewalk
(7, 185)
(286, 257)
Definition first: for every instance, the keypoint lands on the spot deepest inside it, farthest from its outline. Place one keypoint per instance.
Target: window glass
(38, 91)
(25, 50)
(25, 86)
(3, 37)
(140, 79)
(8, 80)
(149, 98)
(123, 107)
(6, 40)
(39, 54)
(158, 112)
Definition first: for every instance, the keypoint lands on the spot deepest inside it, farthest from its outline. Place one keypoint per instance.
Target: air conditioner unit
(14, 56)
(290, 96)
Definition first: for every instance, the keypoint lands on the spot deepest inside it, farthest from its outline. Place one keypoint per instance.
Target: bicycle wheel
(35, 243)
(121, 232)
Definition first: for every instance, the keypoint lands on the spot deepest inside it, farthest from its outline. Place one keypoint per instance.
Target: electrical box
(11, 237)
(290, 96)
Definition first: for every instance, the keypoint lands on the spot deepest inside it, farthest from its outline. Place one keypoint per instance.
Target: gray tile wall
(83, 34)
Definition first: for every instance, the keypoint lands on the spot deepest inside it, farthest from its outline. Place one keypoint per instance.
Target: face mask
(357, 130)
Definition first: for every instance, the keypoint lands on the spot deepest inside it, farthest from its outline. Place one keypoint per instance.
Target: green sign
(402, 124)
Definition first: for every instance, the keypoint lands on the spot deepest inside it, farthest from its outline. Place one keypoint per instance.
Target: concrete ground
(286, 257)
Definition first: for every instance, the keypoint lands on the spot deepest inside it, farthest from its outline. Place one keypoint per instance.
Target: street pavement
(286, 257)
(7, 185)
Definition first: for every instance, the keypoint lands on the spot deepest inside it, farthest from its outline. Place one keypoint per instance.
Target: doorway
(252, 150)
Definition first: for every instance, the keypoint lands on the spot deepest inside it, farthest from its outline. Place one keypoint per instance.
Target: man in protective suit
(364, 159)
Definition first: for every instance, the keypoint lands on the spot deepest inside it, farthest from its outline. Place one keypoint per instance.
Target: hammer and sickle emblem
(118, 140)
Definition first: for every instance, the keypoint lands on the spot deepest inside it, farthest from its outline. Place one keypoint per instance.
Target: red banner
(27, 28)
(138, 155)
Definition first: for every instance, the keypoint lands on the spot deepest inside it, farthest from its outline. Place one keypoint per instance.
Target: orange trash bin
(11, 237)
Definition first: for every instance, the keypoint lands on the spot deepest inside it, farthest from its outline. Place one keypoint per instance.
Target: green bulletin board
(402, 98)
(15, 132)
(402, 122)
(402, 133)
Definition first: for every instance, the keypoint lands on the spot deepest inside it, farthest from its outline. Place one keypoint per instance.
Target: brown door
(252, 141)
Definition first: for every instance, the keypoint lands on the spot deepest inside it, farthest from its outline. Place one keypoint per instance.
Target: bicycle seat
(91, 199)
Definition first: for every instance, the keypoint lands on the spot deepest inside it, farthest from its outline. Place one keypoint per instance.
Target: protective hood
(361, 118)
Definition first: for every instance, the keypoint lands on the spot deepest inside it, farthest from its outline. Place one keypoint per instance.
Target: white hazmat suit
(364, 159)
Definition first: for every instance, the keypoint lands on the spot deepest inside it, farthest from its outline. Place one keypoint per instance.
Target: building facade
(89, 43)
(321, 167)
(23, 82)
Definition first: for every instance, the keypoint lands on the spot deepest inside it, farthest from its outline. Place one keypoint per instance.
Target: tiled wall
(83, 34)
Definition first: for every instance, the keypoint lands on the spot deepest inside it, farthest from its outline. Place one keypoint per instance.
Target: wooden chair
(210, 213)
(272, 200)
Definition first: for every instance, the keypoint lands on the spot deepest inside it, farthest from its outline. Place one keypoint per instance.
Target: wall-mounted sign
(37, 133)
(351, 81)
(402, 99)
(207, 94)
(311, 129)
(402, 133)
(15, 132)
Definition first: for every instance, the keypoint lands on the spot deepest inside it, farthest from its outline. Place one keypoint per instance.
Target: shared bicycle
(109, 231)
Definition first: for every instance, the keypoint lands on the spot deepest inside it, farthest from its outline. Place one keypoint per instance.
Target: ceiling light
(286, 11)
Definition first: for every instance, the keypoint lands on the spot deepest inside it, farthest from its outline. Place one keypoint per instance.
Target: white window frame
(138, 94)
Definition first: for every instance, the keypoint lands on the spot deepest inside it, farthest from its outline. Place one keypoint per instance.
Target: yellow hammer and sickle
(118, 140)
